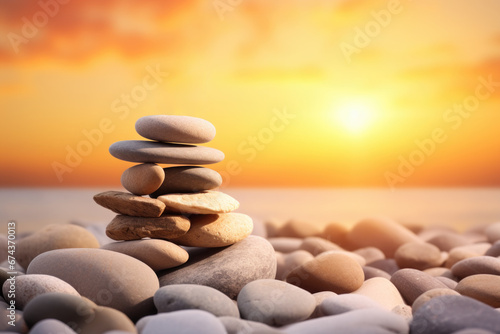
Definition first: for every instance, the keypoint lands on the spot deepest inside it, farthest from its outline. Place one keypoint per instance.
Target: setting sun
(354, 115)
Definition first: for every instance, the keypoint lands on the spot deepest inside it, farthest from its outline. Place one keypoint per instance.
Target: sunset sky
(312, 93)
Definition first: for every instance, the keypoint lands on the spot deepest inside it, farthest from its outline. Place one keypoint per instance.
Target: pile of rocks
(182, 206)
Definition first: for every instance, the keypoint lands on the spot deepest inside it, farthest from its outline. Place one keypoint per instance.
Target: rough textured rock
(143, 179)
(382, 233)
(188, 179)
(190, 296)
(205, 202)
(105, 277)
(129, 204)
(274, 302)
(163, 153)
(482, 287)
(223, 268)
(134, 228)
(216, 230)
(448, 314)
(53, 237)
(175, 128)
(335, 272)
(158, 254)
(28, 287)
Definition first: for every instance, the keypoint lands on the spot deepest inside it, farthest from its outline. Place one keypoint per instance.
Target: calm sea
(459, 207)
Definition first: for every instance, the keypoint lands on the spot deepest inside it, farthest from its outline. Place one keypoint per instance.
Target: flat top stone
(205, 202)
(130, 205)
(150, 151)
(174, 128)
(188, 179)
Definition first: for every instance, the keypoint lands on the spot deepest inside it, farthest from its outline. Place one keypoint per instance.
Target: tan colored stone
(418, 255)
(129, 204)
(143, 179)
(188, 179)
(156, 253)
(382, 291)
(337, 233)
(493, 232)
(299, 229)
(476, 265)
(464, 252)
(358, 258)
(411, 283)
(291, 261)
(328, 272)
(134, 228)
(382, 233)
(284, 244)
(370, 254)
(205, 202)
(446, 241)
(217, 230)
(317, 245)
(483, 287)
(175, 128)
(429, 294)
(53, 237)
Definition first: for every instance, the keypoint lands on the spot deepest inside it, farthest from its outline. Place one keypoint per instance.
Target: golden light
(355, 115)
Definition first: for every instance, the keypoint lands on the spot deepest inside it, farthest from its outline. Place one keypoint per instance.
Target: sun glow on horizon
(355, 115)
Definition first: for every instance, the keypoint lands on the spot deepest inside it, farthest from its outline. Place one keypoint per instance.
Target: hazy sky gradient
(355, 118)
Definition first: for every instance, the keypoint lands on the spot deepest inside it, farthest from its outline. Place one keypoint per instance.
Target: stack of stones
(183, 208)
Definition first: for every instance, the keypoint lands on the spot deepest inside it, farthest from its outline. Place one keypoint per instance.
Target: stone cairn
(182, 209)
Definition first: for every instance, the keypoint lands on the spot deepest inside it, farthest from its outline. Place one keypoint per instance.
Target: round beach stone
(482, 287)
(143, 179)
(163, 153)
(294, 228)
(319, 297)
(292, 261)
(494, 250)
(418, 255)
(382, 233)
(241, 326)
(346, 303)
(134, 228)
(428, 295)
(371, 272)
(285, 245)
(448, 314)
(388, 265)
(206, 202)
(225, 269)
(177, 297)
(216, 230)
(329, 271)
(51, 326)
(464, 252)
(493, 232)
(446, 241)
(275, 303)
(184, 322)
(105, 277)
(174, 128)
(129, 204)
(372, 320)
(382, 291)
(317, 245)
(337, 233)
(476, 265)
(156, 253)
(188, 179)
(53, 237)
(370, 254)
(28, 287)
(411, 283)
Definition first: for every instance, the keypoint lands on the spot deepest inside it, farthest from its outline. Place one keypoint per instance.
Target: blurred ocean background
(460, 208)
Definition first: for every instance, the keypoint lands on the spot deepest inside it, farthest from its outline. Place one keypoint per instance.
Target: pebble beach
(181, 255)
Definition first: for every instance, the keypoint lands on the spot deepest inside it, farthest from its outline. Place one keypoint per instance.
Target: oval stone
(28, 287)
(493, 232)
(291, 261)
(53, 237)
(482, 287)
(299, 229)
(464, 252)
(317, 245)
(275, 303)
(188, 179)
(418, 255)
(225, 269)
(382, 233)
(382, 291)
(241, 326)
(163, 153)
(174, 128)
(411, 283)
(134, 228)
(177, 297)
(51, 326)
(476, 265)
(217, 230)
(329, 271)
(448, 314)
(156, 253)
(105, 277)
(346, 303)
(428, 295)
(185, 322)
(129, 204)
(206, 202)
(143, 179)
(284, 244)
